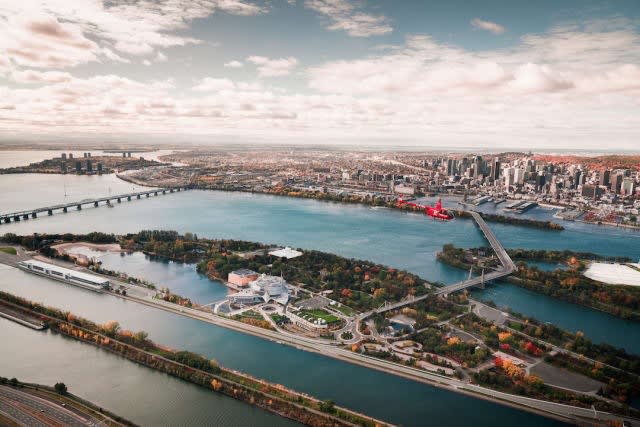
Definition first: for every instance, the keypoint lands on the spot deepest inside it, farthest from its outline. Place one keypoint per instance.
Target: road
(332, 350)
(30, 410)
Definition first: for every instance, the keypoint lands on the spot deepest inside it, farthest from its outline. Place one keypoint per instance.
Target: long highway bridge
(7, 217)
(507, 267)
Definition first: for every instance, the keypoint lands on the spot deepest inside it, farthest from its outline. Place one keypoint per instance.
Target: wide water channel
(408, 241)
(121, 386)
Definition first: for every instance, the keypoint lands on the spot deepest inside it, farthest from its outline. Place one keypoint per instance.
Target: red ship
(437, 211)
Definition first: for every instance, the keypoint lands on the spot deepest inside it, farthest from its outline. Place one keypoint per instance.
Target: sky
(510, 74)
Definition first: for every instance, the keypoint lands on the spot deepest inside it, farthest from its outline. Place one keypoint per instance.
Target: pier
(7, 217)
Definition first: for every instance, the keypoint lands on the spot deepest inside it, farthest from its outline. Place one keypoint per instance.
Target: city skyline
(417, 74)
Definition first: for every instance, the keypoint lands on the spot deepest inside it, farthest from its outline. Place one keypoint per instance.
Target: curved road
(27, 409)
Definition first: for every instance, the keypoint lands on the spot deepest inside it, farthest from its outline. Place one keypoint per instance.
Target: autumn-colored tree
(503, 336)
(453, 341)
(497, 362)
(379, 293)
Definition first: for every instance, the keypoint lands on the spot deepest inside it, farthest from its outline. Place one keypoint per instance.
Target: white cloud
(488, 26)
(578, 85)
(343, 15)
(268, 67)
(209, 84)
(161, 57)
(233, 64)
(60, 34)
(39, 77)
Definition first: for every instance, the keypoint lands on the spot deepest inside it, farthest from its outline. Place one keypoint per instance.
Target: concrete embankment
(23, 320)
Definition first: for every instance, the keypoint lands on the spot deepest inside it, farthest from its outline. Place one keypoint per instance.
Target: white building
(287, 253)
(84, 280)
(264, 289)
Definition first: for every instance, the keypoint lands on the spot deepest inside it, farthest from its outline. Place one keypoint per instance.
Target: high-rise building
(540, 181)
(616, 181)
(605, 178)
(578, 178)
(64, 156)
(627, 186)
(518, 176)
(495, 169)
(89, 166)
(78, 167)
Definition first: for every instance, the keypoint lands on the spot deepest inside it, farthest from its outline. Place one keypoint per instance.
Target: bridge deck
(87, 202)
(508, 267)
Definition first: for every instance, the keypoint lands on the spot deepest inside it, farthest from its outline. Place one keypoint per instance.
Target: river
(397, 239)
(140, 394)
(382, 395)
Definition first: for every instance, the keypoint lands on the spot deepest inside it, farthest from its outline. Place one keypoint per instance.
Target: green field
(320, 314)
(344, 309)
(8, 250)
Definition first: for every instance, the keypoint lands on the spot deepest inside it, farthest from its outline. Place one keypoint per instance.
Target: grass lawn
(321, 314)
(346, 310)
(8, 250)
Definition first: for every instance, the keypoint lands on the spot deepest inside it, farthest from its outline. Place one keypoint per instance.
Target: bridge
(507, 267)
(7, 217)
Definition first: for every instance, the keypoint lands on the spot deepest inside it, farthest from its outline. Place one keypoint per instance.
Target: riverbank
(568, 285)
(194, 368)
(566, 413)
(388, 201)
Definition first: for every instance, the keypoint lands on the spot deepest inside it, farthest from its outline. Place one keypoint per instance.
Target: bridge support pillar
(138, 197)
(118, 199)
(64, 209)
(50, 212)
(95, 204)
(79, 207)
(6, 220)
(129, 198)
(25, 216)
(155, 193)
(164, 191)
(171, 191)
(178, 189)
(34, 215)
(16, 218)
(147, 195)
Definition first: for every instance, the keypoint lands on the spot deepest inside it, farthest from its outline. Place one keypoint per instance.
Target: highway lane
(47, 413)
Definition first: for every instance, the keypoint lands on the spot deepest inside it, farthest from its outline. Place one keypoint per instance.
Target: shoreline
(555, 410)
(228, 378)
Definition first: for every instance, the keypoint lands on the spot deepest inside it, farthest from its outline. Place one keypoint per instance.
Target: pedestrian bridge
(7, 217)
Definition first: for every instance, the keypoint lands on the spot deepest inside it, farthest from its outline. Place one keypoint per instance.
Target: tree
(13, 381)
(327, 406)
(61, 388)
(140, 336)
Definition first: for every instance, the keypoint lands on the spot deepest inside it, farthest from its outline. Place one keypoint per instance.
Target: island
(372, 315)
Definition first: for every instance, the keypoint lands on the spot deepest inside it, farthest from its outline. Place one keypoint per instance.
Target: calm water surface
(141, 395)
(408, 241)
(386, 396)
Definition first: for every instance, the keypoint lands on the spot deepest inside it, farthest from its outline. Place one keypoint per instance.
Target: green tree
(61, 388)
(327, 406)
